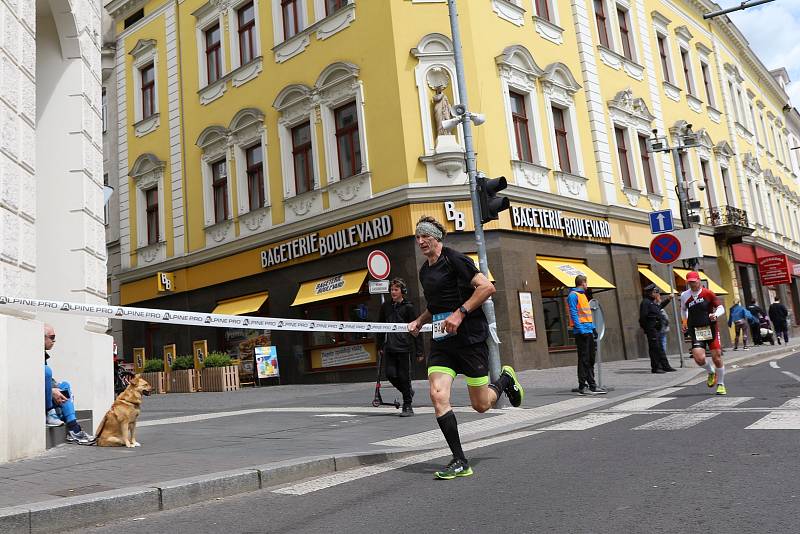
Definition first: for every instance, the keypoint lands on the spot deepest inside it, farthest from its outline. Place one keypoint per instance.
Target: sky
(773, 31)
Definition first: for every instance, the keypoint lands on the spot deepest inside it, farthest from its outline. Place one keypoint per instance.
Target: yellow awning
(474, 258)
(653, 277)
(713, 286)
(241, 305)
(566, 271)
(331, 287)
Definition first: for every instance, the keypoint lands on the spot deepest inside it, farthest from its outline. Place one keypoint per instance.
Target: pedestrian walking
(454, 292)
(779, 316)
(650, 320)
(700, 310)
(755, 329)
(398, 348)
(581, 323)
(741, 319)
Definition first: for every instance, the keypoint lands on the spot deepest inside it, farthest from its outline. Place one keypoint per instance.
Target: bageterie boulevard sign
(574, 227)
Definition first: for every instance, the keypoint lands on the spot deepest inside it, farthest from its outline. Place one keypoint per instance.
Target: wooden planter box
(221, 378)
(157, 381)
(184, 381)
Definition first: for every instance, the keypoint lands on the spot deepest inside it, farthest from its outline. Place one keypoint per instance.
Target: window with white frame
(764, 129)
(705, 70)
(752, 116)
(145, 79)
(213, 142)
(559, 87)
(623, 157)
(688, 77)
(147, 175)
(543, 9)
(625, 32)
(665, 58)
(341, 104)
(648, 168)
(248, 138)
(708, 180)
(519, 117)
(726, 184)
(290, 17)
(332, 6)
(602, 23)
(105, 110)
(297, 140)
(247, 33)
(211, 51)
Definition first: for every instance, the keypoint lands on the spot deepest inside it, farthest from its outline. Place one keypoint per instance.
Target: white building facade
(52, 238)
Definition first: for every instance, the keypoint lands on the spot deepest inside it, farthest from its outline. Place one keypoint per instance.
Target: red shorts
(709, 344)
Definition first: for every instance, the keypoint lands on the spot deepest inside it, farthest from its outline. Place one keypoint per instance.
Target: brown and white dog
(118, 426)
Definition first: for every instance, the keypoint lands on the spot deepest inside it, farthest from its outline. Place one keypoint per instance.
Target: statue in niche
(442, 110)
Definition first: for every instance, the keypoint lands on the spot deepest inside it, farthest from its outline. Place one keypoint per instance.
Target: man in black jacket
(650, 321)
(397, 348)
(779, 316)
(755, 329)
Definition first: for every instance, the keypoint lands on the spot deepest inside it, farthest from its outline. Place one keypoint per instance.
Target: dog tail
(100, 426)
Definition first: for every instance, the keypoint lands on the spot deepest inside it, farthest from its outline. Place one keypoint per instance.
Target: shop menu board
(240, 342)
(267, 362)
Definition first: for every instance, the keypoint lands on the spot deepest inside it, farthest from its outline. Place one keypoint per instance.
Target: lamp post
(466, 118)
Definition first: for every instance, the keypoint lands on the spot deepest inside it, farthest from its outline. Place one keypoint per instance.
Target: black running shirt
(697, 309)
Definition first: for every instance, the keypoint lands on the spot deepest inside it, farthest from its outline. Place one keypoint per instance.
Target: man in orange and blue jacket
(582, 327)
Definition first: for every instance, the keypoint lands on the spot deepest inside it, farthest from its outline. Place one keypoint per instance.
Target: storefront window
(556, 314)
(338, 350)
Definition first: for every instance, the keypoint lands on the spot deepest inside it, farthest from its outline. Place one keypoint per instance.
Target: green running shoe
(514, 391)
(721, 390)
(456, 468)
(711, 380)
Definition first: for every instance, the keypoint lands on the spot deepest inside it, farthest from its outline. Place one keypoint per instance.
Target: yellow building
(270, 146)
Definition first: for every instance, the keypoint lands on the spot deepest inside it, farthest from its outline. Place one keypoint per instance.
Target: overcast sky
(773, 31)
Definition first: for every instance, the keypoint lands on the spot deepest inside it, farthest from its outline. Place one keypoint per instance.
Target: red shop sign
(774, 270)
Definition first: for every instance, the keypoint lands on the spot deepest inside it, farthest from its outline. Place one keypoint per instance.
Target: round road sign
(378, 264)
(665, 248)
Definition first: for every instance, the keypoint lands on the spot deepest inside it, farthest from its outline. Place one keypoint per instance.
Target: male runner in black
(454, 291)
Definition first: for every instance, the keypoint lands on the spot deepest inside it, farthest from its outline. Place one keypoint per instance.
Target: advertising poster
(200, 349)
(169, 357)
(138, 359)
(526, 313)
(267, 362)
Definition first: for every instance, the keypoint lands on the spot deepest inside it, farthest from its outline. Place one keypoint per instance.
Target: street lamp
(686, 139)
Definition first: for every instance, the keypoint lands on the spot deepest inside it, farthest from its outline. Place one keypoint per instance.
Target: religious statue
(441, 110)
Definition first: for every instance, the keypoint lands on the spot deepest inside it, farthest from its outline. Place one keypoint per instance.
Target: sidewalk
(227, 443)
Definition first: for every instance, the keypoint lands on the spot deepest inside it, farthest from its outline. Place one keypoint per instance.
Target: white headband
(428, 228)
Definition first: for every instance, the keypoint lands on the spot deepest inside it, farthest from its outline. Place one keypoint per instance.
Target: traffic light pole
(488, 306)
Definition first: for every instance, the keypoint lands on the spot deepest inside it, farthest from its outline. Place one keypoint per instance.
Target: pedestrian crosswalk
(783, 417)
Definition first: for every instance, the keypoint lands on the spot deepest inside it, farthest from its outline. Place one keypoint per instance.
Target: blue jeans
(663, 338)
(66, 410)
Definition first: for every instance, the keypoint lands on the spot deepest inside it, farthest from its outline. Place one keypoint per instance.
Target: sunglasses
(51, 338)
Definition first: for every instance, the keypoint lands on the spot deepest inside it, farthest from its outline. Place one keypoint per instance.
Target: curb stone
(84, 510)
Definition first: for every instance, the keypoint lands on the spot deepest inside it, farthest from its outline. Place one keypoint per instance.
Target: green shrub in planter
(217, 359)
(153, 366)
(183, 362)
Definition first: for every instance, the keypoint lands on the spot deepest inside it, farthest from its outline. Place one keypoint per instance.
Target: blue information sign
(661, 221)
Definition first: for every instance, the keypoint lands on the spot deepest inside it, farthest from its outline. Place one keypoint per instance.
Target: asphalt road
(684, 461)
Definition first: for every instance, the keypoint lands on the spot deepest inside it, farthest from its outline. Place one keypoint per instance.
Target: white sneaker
(81, 438)
(52, 420)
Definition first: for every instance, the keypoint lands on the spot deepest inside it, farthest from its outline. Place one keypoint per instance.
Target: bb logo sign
(166, 282)
(458, 218)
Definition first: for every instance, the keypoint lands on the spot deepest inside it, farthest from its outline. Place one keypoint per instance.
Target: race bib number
(439, 332)
(702, 333)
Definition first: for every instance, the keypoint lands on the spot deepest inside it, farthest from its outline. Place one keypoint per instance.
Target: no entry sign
(665, 248)
(378, 265)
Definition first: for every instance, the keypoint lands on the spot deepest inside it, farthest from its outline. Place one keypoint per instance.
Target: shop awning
(565, 272)
(241, 305)
(653, 277)
(474, 258)
(712, 285)
(331, 287)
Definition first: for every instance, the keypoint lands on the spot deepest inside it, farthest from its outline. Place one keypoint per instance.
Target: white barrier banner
(200, 319)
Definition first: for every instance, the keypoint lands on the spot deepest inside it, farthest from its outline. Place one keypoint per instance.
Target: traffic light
(491, 205)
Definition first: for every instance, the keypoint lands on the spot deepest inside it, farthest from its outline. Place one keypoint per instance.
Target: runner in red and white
(701, 308)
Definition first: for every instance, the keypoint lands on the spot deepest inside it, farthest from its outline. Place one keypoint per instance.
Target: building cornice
(119, 8)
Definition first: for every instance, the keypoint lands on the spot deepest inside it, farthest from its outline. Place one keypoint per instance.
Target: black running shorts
(472, 361)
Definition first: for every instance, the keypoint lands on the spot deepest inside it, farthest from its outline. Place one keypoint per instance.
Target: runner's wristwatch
(463, 310)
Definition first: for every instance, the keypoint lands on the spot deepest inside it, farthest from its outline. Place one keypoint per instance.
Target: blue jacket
(572, 301)
(739, 312)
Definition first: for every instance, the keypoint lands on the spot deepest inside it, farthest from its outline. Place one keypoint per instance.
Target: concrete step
(57, 435)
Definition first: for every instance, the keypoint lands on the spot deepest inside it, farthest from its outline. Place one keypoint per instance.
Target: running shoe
(456, 468)
(80, 438)
(711, 380)
(721, 390)
(514, 391)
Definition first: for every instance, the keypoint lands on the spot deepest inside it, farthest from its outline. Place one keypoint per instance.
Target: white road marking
(788, 419)
(792, 375)
(588, 421)
(344, 477)
(642, 403)
(677, 421)
(774, 365)
(510, 416)
(335, 415)
(715, 403)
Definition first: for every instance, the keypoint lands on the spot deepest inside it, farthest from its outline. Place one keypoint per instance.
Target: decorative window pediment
(683, 34)
(337, 81)
(433, 45)
(734, 72)
(516, 60)
(559, 75)
(293, 103)
(213, 142)
(723, 150)
(751, 164)
(660, 21)
(626, 104)
(147, 171)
